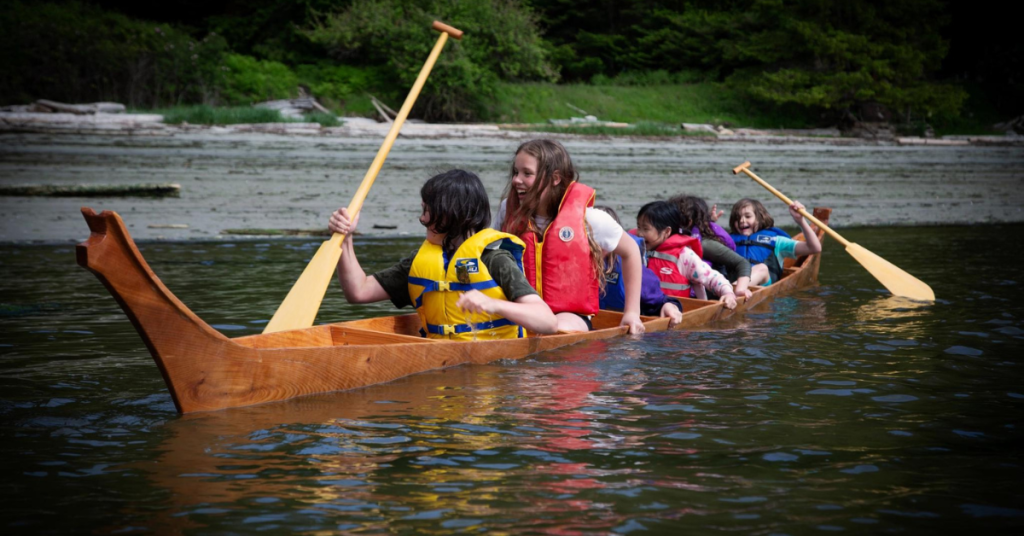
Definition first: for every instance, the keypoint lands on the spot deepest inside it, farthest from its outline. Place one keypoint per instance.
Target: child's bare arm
(358, 287)
(811, 244)
(528, 311)
(632, 276)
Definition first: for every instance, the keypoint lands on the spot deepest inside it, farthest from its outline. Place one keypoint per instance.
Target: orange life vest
(664, 262)
(558, 265)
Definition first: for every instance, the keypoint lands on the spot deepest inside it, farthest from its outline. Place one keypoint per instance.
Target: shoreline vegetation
(256, 120)
(861, 67)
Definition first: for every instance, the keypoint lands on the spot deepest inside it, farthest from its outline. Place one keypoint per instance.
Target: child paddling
(764, 245)
(465, 281)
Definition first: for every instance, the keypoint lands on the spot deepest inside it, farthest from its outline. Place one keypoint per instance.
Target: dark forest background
(826, 62)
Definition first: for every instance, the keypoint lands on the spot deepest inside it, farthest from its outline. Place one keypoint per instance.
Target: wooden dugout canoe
(205, 370)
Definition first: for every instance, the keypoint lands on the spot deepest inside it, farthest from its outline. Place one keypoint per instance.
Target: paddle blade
(898, 282)
(299, 308)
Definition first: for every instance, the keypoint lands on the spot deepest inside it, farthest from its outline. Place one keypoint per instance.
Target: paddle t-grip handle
(745, 168)
(442, 27)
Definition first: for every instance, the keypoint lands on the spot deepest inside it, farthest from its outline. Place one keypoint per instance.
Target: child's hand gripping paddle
(299, 308)
(898, 282)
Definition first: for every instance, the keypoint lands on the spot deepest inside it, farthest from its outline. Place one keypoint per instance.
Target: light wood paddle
(299, 308)
(898, 282)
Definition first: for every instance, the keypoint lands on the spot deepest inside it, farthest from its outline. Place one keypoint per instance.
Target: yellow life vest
(436, 283)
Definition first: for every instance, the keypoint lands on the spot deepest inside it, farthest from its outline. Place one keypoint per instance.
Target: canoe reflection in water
(425, 441)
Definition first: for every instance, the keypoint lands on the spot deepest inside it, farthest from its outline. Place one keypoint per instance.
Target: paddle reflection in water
(895, 316)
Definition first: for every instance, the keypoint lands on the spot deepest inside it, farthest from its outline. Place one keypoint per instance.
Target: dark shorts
(587, 319)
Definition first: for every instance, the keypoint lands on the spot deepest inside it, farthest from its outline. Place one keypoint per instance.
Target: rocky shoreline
(152, 125)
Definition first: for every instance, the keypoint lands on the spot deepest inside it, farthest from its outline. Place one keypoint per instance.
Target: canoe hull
(205, 371)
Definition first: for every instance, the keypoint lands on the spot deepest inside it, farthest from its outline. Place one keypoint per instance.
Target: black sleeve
(506, 273)
(720, 254)
(395, 281)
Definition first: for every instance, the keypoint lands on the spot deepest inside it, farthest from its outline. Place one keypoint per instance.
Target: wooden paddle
(898, 282)
(299, 308)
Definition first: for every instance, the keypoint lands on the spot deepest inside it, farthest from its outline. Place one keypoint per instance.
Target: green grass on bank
(653, 110)
(202, 114)
(643, 128)
(706, 102)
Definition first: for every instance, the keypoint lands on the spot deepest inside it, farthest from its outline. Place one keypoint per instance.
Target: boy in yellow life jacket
(466, 280)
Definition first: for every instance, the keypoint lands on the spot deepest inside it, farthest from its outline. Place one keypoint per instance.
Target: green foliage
(659, 77)
(249, 80)
(78, 53)
(325, 120)
(706, 102)
(830, 57)
(202, 114)
(863, 54)
(647, 129)
(224, 115)
(339, 82)
(272, 29)
(500, 43)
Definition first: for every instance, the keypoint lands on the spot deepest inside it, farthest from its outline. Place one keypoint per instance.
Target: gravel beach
(233, 180)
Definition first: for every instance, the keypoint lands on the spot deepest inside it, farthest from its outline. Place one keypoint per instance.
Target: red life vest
(558, 265)
(664, 262)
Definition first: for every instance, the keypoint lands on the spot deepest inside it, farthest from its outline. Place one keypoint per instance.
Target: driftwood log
(49, 106)
(94, 190)
(294, 108)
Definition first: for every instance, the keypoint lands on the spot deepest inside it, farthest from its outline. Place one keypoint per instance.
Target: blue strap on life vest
(466, 328)
(429, 285)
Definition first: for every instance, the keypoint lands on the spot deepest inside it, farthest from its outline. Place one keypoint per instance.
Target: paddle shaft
(389, 140)
(299, 308)
(745, 168)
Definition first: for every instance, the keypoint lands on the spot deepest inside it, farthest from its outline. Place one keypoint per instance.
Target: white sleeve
(606, 232)
(500, 218)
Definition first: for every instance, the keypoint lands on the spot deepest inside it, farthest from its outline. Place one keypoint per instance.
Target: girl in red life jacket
(547, 207)
(676, 257)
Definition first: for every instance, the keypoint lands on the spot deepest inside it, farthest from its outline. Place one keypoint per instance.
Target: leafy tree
(249, 80)
(501, 42)
(75, 52)
(817, 54)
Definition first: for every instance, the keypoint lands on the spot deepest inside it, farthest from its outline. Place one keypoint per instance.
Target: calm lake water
(837, 408)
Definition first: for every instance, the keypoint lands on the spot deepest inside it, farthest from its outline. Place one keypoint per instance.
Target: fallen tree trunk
(44, 105)
(92, 190)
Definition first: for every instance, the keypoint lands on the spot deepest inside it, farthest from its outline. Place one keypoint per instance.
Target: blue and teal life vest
(760, 248)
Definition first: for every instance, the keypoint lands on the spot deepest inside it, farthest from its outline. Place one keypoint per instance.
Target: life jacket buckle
(443, 286)
(448, 329)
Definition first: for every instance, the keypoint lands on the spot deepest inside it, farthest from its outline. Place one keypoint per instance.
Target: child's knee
(571, 322)
(759, 274)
